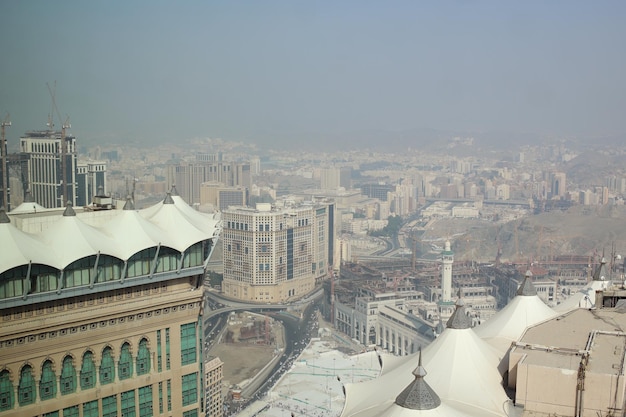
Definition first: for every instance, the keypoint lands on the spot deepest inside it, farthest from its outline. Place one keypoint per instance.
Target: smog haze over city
(300, 74)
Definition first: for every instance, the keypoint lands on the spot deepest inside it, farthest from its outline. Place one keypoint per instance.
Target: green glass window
(43, 279)
(143, 358)
(70, 411)
(167, 260)
(88, 371)
(125, 365)
(139, 263)
(128, 404)
(90, 409)
(109, 269)
(11, 286)
(193, 255)
(167, 348)
(107, 368)
(6, 391)
(68, 376)
(48, 382)
(26, 389)
(51, 414)
(159, 360)
(190, 388)
(109, 406)
(188, 343)
(79, 272)
(145, 401)
(169, 395)
(160, 397)
(190, 413)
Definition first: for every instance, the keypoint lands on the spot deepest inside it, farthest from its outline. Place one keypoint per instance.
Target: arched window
(6, 391)
(143, 358)
(126, 362)
(79, 272)
(68, 376)
(167, 259)
(107, 367)
(48, 382)
(139, 264)
(26, 393)
(109, 269)
(88, 371)
(12, 283)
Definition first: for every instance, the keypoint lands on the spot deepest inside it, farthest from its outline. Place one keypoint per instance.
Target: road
(298, 331)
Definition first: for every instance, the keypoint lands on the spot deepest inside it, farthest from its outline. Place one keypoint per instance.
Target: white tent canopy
(141, 234)
(67, 238)
(20, 248)
(182, 230)
(460, 366)
(73, 239)
(507, 325)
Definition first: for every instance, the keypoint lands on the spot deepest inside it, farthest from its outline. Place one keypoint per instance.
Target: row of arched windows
(70, 378)
(37, 278)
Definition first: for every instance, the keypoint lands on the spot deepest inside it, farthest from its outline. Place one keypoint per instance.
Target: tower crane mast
(5, 174)
(64, 151)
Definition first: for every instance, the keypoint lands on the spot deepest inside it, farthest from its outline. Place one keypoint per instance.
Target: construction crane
(64, 126)
(5, 174)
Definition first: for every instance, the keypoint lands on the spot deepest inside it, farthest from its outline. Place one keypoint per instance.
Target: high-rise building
(102, 311)
(213, 398)
(379, 191)
(558, 184)
(503, 191)
(221, 196)
(189, 176)
(255, 165)
(51, 167)
(330, 178)
(275, 254)
(91, 181)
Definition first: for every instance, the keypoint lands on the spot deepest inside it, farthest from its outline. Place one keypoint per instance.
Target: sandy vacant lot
(241, 361)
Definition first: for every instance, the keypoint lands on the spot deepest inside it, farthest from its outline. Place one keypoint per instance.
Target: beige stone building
(221, 196)
(573, 365)
(275, 254)
(101, 314)
(213, 398)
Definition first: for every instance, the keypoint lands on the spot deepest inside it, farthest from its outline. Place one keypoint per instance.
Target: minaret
(447, 258)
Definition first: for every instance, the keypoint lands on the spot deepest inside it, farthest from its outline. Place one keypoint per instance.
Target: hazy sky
(253, 70)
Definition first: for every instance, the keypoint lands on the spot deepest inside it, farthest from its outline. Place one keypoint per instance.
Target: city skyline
(280, 74)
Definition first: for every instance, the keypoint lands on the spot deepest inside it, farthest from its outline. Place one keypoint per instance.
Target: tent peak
(527, 288)
(418, 395)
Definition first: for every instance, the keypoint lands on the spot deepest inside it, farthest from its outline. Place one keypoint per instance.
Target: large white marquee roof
(67, 239)
(460, 365)
(524, 310)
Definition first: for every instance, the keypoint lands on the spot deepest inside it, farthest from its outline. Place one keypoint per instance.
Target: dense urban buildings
(102, 311)
(276, 254)
(189, 176)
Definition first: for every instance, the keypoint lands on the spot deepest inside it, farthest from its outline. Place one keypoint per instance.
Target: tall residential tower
(51, 166)
(274, 254)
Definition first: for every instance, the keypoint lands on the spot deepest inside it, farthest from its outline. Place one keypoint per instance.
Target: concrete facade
(274, 254)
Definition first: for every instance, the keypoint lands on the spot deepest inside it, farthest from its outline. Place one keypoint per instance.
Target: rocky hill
(581, 230)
